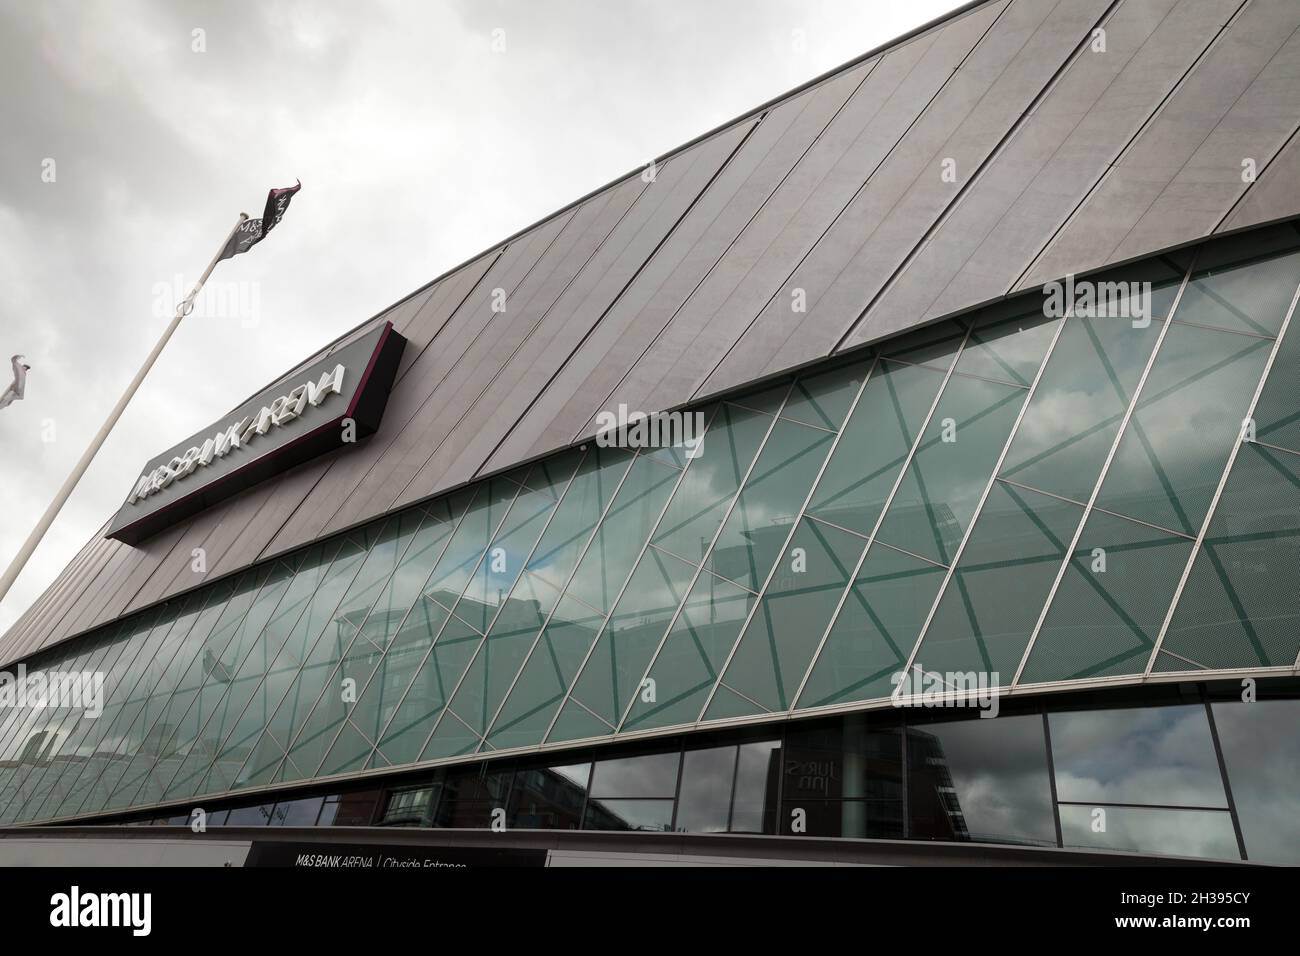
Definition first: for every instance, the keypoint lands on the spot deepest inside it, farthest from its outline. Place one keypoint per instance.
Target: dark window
(1261, 750)
(349, 809)
(981, 780)
(704, 804)
(652, 775)
(255, 816)
(548, 798)
(843, 779)
(408, 807)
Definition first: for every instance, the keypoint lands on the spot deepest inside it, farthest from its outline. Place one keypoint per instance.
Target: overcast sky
(419, 142)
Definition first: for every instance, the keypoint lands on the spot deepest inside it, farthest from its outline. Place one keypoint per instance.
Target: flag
(254, 230)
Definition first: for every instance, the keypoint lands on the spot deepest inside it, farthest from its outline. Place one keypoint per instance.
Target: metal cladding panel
(1274, 193)
(658, 211)
(933, 165)
(681, 264)
(1252, 132)
(409, 397)
(651, 294)
(526, 297)
(1030, 188)
(1109, 216)
(797, 218)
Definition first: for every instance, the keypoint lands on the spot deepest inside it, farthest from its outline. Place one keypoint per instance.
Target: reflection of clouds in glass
(575, 773)
(1261, 748)
(1201, 833)
(653, 775)
(1194, 396)
(1157, 755)
(999, 773)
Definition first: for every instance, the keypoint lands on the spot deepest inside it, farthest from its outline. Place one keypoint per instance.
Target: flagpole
(183, 308)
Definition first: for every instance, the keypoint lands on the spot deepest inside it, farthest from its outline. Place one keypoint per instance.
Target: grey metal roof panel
(621, 258)
(640, 314)
(1095, 234)
(649, 295)
(410, 392)
(798, 215)
(436, 381)
(986, 100)
(1255, 127)
(1274, 193)
(1028, 191)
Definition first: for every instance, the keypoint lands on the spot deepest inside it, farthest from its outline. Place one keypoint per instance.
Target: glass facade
(1030, 498)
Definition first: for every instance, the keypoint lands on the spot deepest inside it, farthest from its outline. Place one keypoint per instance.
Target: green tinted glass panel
(623, 533)
(1071, 421)
(875, 630)
(877, 438)
(434, 684)
(823, 399)
(575, 519)
(384, 550)
(1104, 623)
(245, 728)
(166, 709)
(427, 690)
(711, 482)
(121, 707)
(766, 399)
(202, 686)
(942, 486)
(1241, 606)
(993, 601)
(499, 657)
(505, 558)
(1188, 416)
(618, 661)
(792, 615)
(319, 639)
(353, 673)
(349, 752)
(1008, 349)
(1251, 296)
(286, 696)
(754, 532)
(470, 540)
(1277, 414)
(692, 654)
(404, 584)
(934, 345)
(546, 676)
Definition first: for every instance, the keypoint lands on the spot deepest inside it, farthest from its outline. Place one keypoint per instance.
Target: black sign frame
(370, 365)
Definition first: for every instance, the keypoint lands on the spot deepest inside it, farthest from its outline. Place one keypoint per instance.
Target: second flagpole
(183, 308)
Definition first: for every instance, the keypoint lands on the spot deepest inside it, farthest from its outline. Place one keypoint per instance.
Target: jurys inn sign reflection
(311, 411)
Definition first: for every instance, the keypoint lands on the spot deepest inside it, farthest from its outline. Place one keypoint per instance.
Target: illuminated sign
(337, 400)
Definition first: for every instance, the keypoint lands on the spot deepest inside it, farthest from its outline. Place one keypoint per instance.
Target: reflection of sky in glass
(1203, 833)
(1156, 755)
(576, 773)
(1261, 747)
(649, 776)
(999, 773)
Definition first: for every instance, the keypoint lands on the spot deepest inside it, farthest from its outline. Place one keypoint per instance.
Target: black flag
(254, 230)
